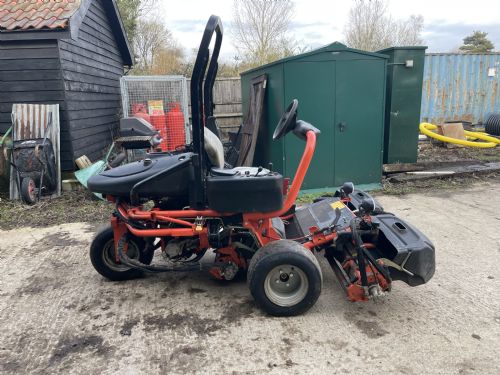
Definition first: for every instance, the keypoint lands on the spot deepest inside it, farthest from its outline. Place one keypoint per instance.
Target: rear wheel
(102, 256)
(284, 278)
(28, 190)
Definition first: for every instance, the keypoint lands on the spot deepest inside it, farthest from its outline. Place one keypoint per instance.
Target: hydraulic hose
(426, 128)
(360, 254)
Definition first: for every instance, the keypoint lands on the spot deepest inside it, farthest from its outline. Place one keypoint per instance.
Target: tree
(167, 60)
(407, 32)
(477, 42)
(260, 30)
(371, 28)
(131, 11)
(155, 48)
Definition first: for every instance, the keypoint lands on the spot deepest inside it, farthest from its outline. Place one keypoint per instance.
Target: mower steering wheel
(287, 120)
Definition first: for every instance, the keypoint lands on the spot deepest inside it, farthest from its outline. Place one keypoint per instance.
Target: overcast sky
(320, 22)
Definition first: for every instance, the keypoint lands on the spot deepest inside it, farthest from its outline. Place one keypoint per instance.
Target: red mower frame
(258, 223)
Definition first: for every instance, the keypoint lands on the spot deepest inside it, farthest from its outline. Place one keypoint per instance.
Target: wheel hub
(109, 258)
(286, 285)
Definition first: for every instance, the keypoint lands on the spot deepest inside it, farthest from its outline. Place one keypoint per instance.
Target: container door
(312, 83)
(359, 121)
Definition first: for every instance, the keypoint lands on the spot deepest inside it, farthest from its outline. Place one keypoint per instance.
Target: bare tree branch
(371, 28)
(156, 50)
(260, 29)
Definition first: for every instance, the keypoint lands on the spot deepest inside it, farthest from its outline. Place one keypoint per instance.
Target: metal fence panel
(139, 93)
(460, 87)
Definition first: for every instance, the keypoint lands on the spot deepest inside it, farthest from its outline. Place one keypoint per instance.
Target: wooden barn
(70, 52)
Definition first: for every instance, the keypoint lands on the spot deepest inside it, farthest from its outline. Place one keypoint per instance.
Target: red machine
(246, 219)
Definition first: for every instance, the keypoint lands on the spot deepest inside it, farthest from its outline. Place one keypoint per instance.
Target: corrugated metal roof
(20, 15)
(460, 87)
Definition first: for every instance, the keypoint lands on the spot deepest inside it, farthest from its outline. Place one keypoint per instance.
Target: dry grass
(434, 152)
(437, 184)
(71, 207)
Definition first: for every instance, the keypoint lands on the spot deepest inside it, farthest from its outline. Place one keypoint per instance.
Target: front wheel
(102, 256)
(284, 278)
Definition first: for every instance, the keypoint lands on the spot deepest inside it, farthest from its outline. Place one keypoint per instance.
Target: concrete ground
(57, 315)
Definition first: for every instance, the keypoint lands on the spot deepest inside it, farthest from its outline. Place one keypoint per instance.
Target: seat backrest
(214, 149)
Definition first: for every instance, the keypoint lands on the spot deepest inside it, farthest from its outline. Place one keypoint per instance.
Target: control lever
(258, 171)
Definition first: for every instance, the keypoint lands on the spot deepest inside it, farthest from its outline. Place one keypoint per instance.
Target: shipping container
(460, 87)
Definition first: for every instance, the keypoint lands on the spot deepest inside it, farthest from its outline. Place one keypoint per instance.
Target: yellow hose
(426, 128)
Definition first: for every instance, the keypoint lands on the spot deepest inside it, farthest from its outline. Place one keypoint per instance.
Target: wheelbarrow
(34, 166)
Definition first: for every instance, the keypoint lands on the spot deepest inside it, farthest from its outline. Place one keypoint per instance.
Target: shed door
(312, 83)
(359, 121)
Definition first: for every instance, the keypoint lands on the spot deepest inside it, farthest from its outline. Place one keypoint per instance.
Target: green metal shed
(405, 71)
(341, 91)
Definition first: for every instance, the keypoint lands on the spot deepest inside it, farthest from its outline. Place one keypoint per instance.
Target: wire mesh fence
(163, 102)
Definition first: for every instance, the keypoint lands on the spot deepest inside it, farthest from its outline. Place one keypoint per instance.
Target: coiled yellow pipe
(426, 128)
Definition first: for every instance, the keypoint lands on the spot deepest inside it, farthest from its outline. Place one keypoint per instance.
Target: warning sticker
(338, 205)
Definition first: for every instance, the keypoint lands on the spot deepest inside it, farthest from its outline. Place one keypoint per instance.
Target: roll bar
(208, 87)
(203, 59)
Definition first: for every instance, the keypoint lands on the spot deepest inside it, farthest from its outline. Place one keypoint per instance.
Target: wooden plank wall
(29, 73)
(91, 67)
(227, 99)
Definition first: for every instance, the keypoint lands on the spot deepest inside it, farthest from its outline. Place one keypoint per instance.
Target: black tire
(29, 192)
(292, 257)
(102, 256)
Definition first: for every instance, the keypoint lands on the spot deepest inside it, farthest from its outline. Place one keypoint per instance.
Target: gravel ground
(57, 315)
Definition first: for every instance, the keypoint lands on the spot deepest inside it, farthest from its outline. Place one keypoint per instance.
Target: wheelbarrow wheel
(102, 256)
(28, 190)
(284, 278)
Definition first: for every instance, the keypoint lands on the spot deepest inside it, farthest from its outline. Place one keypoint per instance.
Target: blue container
(460, 87)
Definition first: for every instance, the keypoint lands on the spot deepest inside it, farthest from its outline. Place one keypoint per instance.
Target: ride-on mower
(247, 219)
